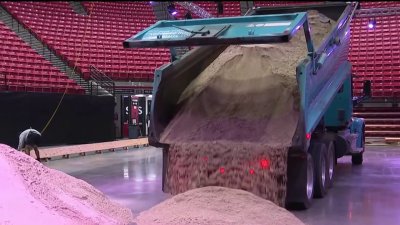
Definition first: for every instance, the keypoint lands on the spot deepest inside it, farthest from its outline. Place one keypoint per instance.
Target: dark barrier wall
(80, 118)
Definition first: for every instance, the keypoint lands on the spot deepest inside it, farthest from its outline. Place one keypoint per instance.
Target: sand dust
(34, 194)
(217, 206)
(249, 94)
(199, 164)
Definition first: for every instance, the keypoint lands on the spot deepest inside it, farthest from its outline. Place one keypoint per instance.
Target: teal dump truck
(326, 129)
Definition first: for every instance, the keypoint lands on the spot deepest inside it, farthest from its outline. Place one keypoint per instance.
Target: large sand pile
(217, 206)
(245, 104)
(34, 194)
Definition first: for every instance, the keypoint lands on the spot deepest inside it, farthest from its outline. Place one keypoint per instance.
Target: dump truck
(326, 129)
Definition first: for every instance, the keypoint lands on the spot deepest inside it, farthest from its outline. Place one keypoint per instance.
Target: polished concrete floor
(132, 178)
(362, 195)
(367, 194)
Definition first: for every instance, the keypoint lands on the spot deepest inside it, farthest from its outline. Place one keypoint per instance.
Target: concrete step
(384, 133)
(377, 114)
(386, 108)
(382, 121)
(382, 127)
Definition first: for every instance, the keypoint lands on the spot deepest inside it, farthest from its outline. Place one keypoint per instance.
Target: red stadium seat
(78, 37)
(24, 68)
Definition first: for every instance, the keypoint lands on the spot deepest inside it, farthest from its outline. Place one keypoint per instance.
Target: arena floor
(365, 195)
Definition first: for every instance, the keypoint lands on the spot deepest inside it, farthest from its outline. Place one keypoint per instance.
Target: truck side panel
(340, 110)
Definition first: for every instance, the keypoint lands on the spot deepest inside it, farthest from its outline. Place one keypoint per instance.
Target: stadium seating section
(383, 4)
(280, 3)
(363, 4)
(231, 8)
(23, 69)
(94, 39)
(375, 55)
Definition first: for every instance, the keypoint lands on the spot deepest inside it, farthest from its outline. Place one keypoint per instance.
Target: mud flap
(296, 197)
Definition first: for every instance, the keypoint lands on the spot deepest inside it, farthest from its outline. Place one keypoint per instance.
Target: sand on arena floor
(31, 193)
(217, 206)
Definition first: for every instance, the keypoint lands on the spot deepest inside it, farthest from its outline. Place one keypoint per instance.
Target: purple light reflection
(372, 24)
(330, 52)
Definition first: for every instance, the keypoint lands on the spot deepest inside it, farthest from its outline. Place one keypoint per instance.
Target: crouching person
(30, 139)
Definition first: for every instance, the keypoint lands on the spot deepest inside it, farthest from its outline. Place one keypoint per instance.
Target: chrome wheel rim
(310, 180)
(323, 171)
(331, 163)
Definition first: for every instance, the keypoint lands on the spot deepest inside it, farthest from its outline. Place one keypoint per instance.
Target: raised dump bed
(265, 104)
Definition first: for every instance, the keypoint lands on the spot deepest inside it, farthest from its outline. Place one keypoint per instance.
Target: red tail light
(222, 170)
(308, 136)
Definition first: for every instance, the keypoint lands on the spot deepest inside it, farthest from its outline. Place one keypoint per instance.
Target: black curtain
(80, 118)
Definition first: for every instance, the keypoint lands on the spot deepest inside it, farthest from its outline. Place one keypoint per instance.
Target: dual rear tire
(331, 156)
(323, 154)
(312, 176)
(319, 155)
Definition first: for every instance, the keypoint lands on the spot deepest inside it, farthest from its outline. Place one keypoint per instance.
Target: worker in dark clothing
(28, 140)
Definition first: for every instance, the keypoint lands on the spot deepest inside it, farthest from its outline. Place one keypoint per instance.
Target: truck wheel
(357, 159)
(310, 181)
(319, 155)
(331, 162)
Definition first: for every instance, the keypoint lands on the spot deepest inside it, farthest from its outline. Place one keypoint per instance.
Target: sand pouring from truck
(263, 103)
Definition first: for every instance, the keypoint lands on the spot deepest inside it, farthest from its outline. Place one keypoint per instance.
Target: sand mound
(217, 206)
(32, 193)
(243, 107)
